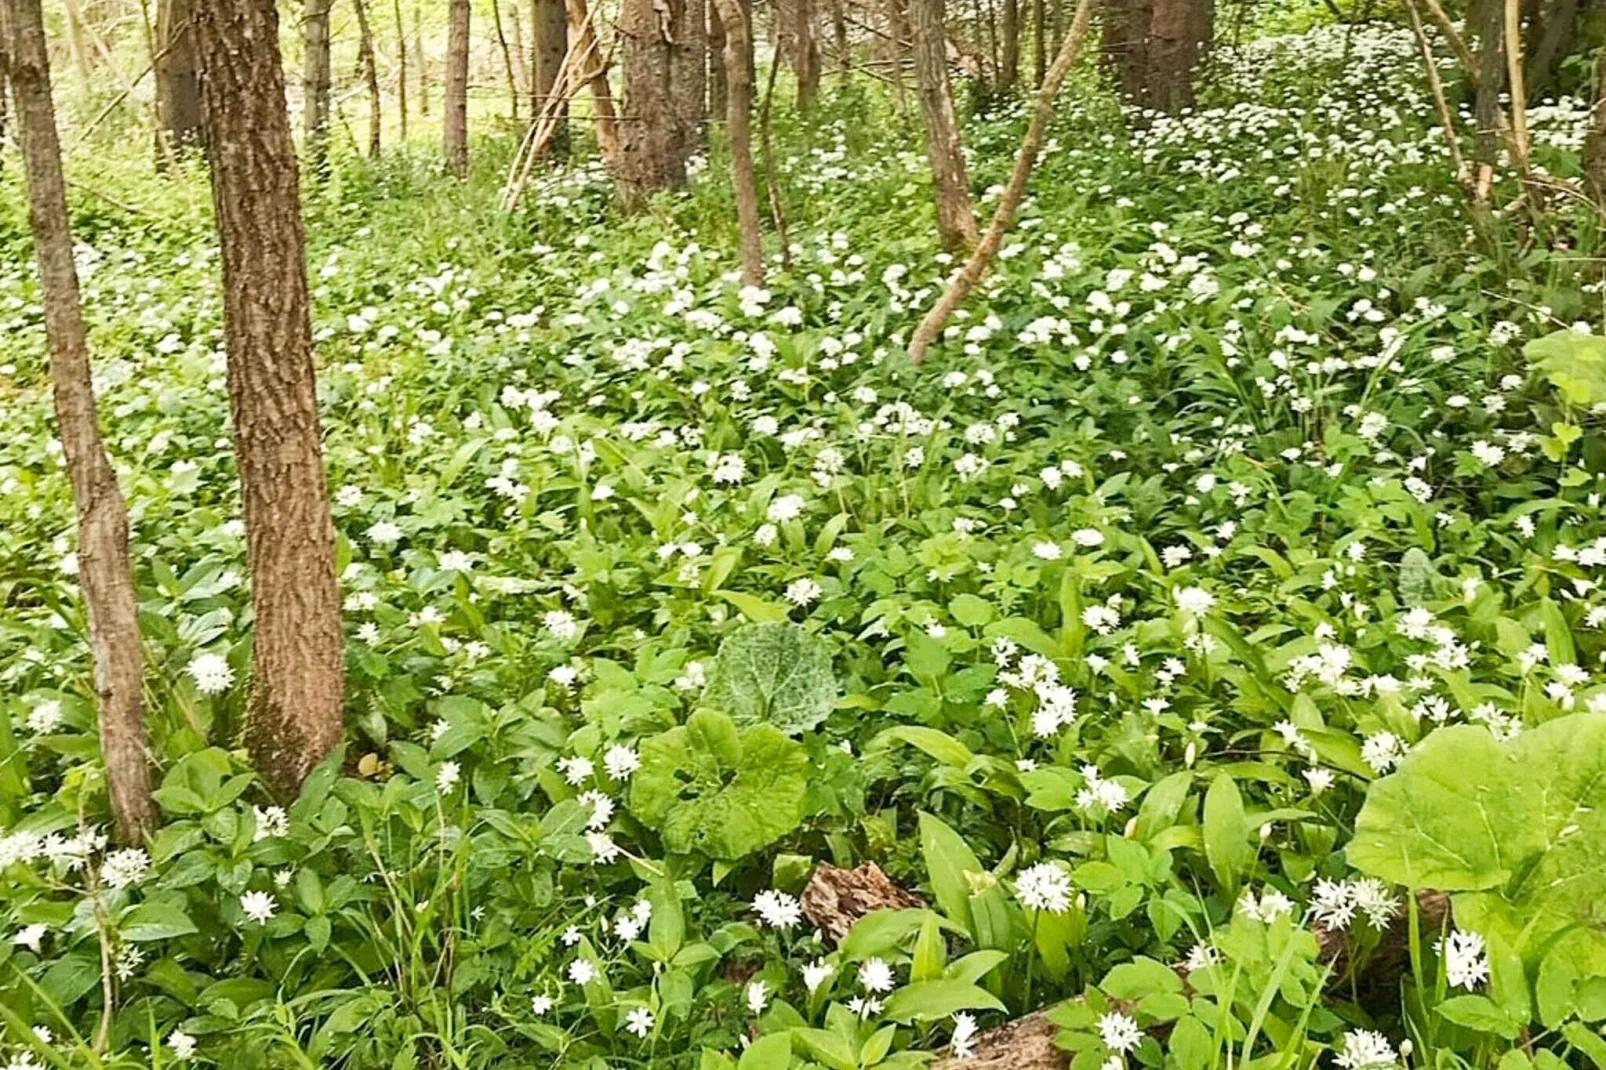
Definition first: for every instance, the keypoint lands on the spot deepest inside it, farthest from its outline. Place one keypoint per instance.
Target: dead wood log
(836, 898)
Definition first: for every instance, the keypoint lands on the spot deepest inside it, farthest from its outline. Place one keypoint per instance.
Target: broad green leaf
(775, 673)
(156, 921)
(1573, 362)
(929, 1000)
(1480, 1013)
(773, 1052)
(1519, 828)
(711, 788)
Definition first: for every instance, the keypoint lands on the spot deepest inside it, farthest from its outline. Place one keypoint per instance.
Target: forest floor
(1230, 486)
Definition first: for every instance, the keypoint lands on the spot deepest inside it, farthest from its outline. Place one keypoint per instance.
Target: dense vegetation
(1219, 597)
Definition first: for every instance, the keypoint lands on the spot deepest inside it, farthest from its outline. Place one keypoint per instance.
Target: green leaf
(931, 952)
(1161, 805)
(775, 673)
(707, 787)
(1226, 833)
(773, 1052)
(929, 1000)
(1573, 362)
(879, 931)
(754, 608)
(935, 743)
(1480, 1013)
(948, 859)
(829, 1048)
(156, 921)
(1519, 828)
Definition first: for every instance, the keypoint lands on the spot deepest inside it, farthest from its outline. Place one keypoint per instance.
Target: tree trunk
(401, 77)
(844, 48)
(1009, 62)
(423, 59)
(1595, 139)
(315, 76)
(521, 58)
(955, 220)
(898, 31)
(1039, 42)
(1126, 45)
(370, 72)
(1488, 17)
(297, 649)
(104, 568)
(717, 88)
(651, 145)
(507, 55)
(689, 71)
(551, 42)
(1555, 33)
(5, 80)
(454, 108)
(739, 129)
(800, 47)
(606, 123)
(1025, 159)
(178, 90)
(75, 39)
(1178, 29)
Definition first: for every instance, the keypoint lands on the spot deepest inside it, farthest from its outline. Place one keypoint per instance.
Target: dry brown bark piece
(836, 898)
(1024, 1044)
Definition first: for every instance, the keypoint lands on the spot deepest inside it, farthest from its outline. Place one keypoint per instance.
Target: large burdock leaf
(773, 673)
(1518, 828)
(1574, 362)
(712, 788)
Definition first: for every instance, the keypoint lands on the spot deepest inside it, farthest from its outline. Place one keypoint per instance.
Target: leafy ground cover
(1231, 497)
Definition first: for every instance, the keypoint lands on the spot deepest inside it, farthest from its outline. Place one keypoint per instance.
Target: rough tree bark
(1039, 42)
(1009, 61)
(717, 99)
(844, 47)
(739, 129)
(1154, 48)
(104, 568)
(1023, 1044)
(801, 47)
(836, 898)
(955, 220)
(898, 30)
(1178, 31)
(454, 108)
(297, 661)
(689, 73)
(178, 89)
(401, 57)
(551, 42)
(981, 259)
(369, 65)
(315, 76)
(1488, 16)
(652, 146)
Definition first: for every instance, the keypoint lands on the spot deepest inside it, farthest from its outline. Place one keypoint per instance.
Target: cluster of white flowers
(1336, 904)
